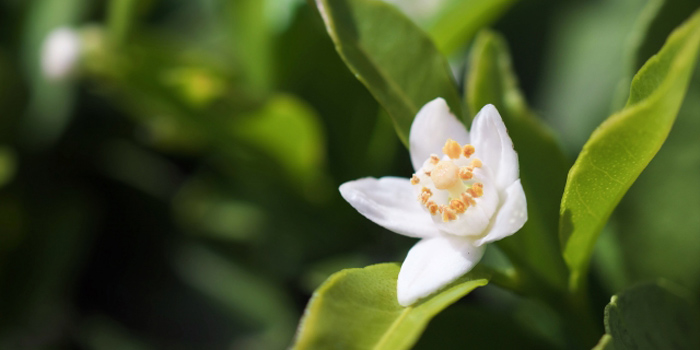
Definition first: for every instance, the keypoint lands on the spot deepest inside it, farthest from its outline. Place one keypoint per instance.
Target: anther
(465, 173)
(468, 150)
(452, 149)
(414, 180)
(477, 190)
(476, 163)
(458, 206)
(448, 214)
(467, 199)
(432, 207)
(434, 159)
(425, 194)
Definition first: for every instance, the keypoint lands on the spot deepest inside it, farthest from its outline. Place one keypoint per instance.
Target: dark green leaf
(397, 62)
(652, 316)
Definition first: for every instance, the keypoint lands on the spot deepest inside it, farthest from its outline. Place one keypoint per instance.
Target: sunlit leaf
(543, 165)
(652, 316)
(358, 309)
(623, 145)
(390, 55)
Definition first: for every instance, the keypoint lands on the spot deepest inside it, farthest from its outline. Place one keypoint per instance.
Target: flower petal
(510, 218)
(434, 263)
(389, 202)
(433, 125)
(494, 146)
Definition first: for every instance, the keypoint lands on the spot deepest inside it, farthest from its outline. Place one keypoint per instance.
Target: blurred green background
(179, 190)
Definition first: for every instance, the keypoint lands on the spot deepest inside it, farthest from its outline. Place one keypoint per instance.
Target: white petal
(60, 53)
(434, 263)
(511, 217)
(433, 125)
(389, 202)
(494, 146)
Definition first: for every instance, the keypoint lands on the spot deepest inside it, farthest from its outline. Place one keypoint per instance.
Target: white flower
(60, 53)
(455, 203)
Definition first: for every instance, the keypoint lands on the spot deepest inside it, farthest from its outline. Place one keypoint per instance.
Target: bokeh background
(179, 190)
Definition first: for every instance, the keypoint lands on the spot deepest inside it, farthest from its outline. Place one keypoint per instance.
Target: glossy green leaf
(358, 309)
(623, 145)
(459, 21)
(652, 316)
(397, 62)
(491, 81)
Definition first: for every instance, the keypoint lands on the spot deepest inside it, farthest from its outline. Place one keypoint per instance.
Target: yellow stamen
(476, 163)
(414, 180)
(434, 159)
(468, 150)
(432, 207)
(458, 206)
(448, 214)
(425, 194)
(465, 173)
(467, 199)
(452, 149)
(477, 190)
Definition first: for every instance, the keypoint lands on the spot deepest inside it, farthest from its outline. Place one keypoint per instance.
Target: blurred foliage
(179, 191)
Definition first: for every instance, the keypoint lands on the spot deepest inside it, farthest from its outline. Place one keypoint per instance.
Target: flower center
(455, 176)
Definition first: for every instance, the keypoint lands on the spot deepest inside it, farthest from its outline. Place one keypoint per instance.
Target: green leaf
(623, 145)
(491, 81)
(391, 56)
(605, 343)
(289, 131)
(358, 309)
(652, 316)
(8, 165)
(660, 236)
(457, 23)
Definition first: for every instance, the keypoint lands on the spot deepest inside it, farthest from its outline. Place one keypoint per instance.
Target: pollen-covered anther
(465, 173)
(467, 199)
(468, 150)
(477, 190)
(452, 149)
(432, 207)
(458, 206)
(425, 194)
(448, 214)
(434, 159)
(414, 179)
(476, 162)
(445, 175)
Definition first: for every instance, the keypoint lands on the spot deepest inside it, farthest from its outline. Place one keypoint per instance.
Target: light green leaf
(623, 145)
(358, 309)
(288, 130)
(491, 81)
(652, 316)
(391, 56)
(457, 23)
